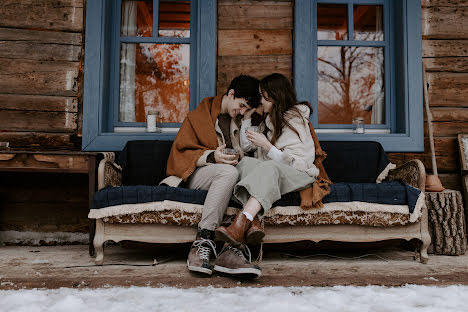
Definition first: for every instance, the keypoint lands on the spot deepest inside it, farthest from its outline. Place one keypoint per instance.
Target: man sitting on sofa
(197, 159)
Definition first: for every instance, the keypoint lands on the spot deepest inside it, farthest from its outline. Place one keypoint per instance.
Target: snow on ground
(271, 299)
(38, 238)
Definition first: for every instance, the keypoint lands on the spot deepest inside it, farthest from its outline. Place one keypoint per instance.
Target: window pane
(332, 22)
(174, 19)
(368, 22)
(154, 76)
(351, 84)
(137, 18)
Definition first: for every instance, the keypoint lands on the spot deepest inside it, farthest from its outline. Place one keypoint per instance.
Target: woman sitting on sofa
(283, 163)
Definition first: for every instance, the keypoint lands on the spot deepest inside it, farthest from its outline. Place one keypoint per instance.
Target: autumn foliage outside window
(154, 76)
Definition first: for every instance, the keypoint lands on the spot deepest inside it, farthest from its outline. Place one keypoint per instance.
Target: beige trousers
(219, 181)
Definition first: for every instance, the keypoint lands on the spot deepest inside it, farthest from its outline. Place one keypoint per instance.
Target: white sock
(248, 215)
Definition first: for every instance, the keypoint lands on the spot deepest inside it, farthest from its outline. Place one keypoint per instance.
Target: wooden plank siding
(59, 15)
(255, 38)
(41, 57)
(445, 55)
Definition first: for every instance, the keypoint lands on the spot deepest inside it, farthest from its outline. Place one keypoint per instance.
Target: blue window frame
(102, 66)
(400, 128)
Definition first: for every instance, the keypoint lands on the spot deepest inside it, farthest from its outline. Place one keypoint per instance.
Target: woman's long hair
(281, 93)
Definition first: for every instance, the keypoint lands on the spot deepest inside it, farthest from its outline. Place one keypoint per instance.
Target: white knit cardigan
(297, 151)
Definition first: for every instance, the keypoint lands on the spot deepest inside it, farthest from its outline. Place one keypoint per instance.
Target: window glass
(368, 22)
(332, 22)
(174, 19)
(351, 84)
(154, 76)
(137, 18)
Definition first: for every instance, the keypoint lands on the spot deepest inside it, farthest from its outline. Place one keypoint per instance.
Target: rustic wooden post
(447, 222)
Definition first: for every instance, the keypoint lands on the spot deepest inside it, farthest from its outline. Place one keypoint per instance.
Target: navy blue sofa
(130, 200)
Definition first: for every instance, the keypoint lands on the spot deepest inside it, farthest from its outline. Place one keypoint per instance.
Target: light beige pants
(219, 181)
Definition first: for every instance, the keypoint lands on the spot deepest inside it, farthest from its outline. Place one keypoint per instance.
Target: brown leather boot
(255, 233)
(235, 233)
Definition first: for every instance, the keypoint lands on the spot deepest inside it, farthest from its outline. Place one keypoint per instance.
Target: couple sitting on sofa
(284, 150)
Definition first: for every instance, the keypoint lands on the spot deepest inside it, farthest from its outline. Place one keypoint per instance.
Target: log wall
(41, 53)
(41, 58)
(445, 55)
(256, 37)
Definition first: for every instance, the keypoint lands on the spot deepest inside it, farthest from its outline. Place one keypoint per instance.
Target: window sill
(143, 130)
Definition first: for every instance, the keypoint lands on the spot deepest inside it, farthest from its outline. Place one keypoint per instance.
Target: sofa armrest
(109, 173)
(412, 172)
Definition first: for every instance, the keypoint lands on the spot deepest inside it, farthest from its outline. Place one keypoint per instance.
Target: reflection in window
(137, 18)
(351, 84)
(368, 22)
(174, 19)
(154, 76)
(332, 22)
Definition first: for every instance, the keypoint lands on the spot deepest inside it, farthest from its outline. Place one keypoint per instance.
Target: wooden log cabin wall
(254, 37)
(445, 55)
(41, 54)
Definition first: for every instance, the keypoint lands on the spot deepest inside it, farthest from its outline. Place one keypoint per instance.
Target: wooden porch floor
(71, 266)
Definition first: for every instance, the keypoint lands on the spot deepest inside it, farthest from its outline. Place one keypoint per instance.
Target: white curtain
(127, 63)
(378, 109)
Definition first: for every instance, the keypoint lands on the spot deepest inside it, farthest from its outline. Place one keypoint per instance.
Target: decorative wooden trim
(165, 233)
(20, 161)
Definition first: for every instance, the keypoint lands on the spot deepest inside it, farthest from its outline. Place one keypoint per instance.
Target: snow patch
(39, 238)
(270, 299)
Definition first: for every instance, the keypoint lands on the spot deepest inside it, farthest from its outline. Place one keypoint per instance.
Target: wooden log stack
(447, 222)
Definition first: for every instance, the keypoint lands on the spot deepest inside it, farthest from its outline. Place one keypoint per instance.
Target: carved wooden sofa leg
(424, 246)
(425, 237)
(99, 242)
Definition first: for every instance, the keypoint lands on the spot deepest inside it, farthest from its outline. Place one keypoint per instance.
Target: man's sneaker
(200, 254)
(233, 261)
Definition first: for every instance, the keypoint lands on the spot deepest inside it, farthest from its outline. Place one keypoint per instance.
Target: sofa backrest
(354, 161)
(144, 162)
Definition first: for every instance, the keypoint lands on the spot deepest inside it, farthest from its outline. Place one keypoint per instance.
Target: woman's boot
(255, 233)
(235, 233)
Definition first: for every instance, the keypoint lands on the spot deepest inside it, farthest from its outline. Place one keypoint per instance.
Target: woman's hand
(248, 114)
(259, 139)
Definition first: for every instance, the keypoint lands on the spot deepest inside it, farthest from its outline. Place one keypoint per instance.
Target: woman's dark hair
(276, 88)
(246, 87)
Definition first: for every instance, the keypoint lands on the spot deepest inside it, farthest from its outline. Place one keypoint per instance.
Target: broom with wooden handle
(433, 183)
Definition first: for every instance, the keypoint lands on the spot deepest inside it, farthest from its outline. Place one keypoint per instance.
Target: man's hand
(259, 139)
(221, 158)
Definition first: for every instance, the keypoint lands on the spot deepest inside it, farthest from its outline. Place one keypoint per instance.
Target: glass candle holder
(153, 123)
(358, 125)
(230, 151)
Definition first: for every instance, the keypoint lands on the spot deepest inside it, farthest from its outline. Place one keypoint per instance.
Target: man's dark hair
(246, 87)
